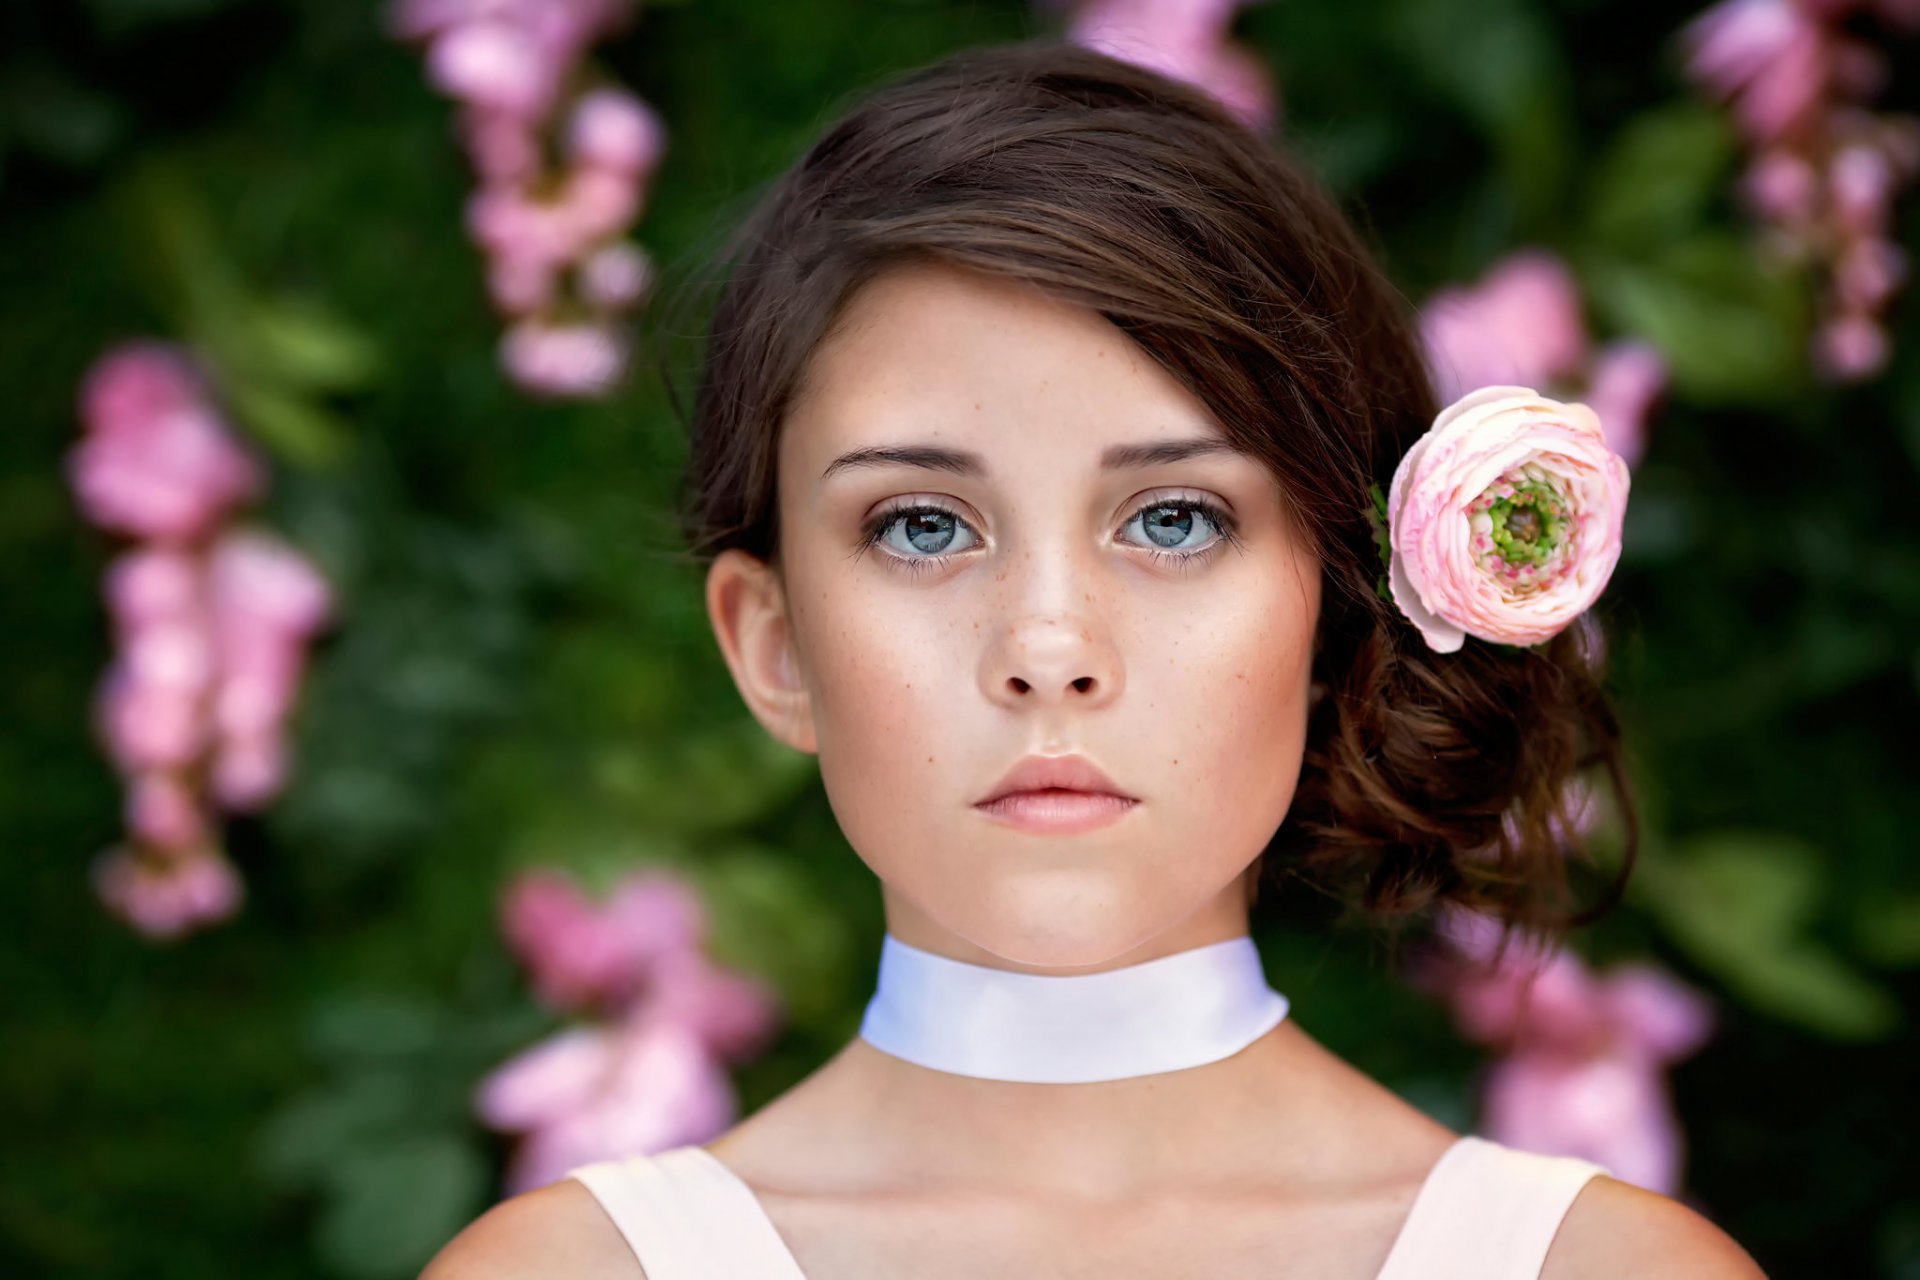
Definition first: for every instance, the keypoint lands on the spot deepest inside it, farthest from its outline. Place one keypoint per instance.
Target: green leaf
(1659, 177)
(768, 918)
(1740, 902)
(302, 1142)
(1730, 329)
(393, 1207)
(296, 428)
(373, 1025)
(717, 781)
(303, 347)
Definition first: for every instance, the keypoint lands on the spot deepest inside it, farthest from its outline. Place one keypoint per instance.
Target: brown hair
(1428, 778)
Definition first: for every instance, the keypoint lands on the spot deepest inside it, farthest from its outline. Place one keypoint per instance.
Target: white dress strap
(687, 1216)
(1486, 1212)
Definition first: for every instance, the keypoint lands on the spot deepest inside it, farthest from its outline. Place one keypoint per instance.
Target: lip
(1056, 795)
(1054, 773)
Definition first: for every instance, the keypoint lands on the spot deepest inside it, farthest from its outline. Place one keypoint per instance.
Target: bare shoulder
(1618, 1231)
(558, 1229)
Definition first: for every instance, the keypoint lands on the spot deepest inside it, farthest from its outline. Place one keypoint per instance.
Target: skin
(1045, 624)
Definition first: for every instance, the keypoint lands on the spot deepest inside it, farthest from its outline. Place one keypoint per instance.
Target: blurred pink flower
(581, 952)
(616, 275)
(156, 461)
(612, 129)
(1520, 324)
(1585, 1056)
(503, 145)
(600, 1092)
(1850, 346)
(145, 725)
(1627, 380)
(163, 810)
(1185, 40)
(164, 897)
(1827, 170)
(493, 66)
(1770, 57)
(514, 67)
(249, 770)
(735, 1015)
(563, 359)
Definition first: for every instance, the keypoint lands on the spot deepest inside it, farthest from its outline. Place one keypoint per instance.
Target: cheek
(885, 704)
(1230, 710)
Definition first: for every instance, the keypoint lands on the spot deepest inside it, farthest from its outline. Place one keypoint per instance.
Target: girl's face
(1051, 568)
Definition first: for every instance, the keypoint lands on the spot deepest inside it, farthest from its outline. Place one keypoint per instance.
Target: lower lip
(1057, 813)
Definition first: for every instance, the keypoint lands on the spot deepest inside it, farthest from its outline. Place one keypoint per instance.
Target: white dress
(1484, 1212)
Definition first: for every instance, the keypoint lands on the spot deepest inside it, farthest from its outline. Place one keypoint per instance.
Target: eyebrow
(965, 462)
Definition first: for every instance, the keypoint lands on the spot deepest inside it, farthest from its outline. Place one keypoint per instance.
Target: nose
(1053, 659)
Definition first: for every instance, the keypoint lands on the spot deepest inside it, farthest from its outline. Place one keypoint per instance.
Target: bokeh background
(385, 833)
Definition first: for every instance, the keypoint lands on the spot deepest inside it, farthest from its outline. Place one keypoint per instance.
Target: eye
(1170, 526)
(928, 535)
(921, 535)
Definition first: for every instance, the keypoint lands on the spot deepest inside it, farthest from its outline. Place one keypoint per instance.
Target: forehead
(926, 351)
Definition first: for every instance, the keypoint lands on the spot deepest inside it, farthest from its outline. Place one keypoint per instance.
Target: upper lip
(1067, 773)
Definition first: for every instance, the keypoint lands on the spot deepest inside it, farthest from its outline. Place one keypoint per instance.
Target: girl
(1031, 464)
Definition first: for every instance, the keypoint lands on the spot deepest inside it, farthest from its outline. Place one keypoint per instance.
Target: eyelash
(1185, 561)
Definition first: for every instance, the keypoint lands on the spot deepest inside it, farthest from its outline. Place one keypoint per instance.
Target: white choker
(1183, 1010)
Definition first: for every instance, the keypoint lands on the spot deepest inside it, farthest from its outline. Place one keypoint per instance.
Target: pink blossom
(1628, 379)
(155, 583)
(492, 65)
(597, 1093)
(165, 897)
(612, 129)
(1612, 1110)
(595, 203)
(164, 811)
(145, 725)
(1186, 41)
(563, 359)
(734, 1015)
(581, 952)
(502, 144)
(519, 284)
(1781, 185)
(1585, 1055)
(1868, 272)
(1504, 454)
(1850, 345)
(509, 223)
(156, 460)
(1860, 182)
(1521, 324)
(249, 770)
(1770, 57)
(617, 274)
(260, 582)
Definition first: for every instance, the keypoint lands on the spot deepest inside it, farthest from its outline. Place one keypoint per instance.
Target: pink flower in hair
(1504, 519)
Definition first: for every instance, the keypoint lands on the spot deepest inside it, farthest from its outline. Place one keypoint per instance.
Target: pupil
(1155, 524)
(932, 523)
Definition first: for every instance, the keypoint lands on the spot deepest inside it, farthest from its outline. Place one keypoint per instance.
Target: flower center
(1523, 530)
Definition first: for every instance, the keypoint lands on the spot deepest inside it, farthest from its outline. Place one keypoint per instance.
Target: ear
(747, 605)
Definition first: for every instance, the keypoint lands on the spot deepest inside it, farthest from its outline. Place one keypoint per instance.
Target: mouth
(1057, 810)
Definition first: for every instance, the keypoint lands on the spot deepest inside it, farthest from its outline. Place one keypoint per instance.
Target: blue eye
(929, 532)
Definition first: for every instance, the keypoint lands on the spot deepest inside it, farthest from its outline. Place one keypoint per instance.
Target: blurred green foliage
(524, 675)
